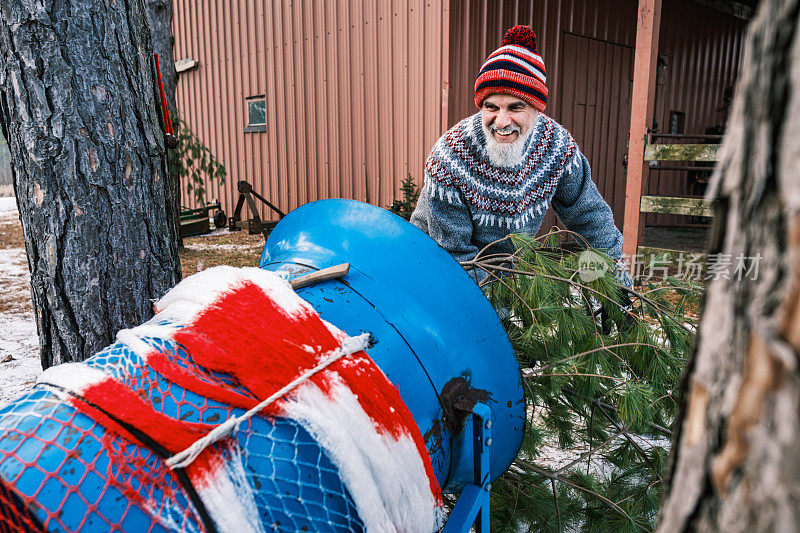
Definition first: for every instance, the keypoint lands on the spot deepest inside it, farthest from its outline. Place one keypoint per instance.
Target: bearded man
(497, 171)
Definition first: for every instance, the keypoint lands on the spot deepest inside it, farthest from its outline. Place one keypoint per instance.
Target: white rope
(182, 459)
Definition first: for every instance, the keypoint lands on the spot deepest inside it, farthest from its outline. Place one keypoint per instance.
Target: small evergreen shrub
(410, 194)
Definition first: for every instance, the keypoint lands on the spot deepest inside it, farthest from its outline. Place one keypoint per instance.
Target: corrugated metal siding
(477, 26)
(353, 93)
(357, 92)
(595, 103)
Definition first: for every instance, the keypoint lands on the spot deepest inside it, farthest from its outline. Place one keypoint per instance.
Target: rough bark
(159, 17)
(736, 459)
(79, 112)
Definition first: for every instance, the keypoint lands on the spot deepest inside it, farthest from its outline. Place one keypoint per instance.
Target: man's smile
(509, 134)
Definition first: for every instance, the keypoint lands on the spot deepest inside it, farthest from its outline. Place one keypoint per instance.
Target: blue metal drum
(439, 340)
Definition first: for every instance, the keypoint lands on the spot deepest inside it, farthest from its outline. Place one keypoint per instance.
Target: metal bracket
(254, 225)
(472, 506)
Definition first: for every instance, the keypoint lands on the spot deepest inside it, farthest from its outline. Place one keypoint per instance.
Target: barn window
(256, 114)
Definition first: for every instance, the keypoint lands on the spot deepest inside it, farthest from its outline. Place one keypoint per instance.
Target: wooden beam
(445, 122)
(676, 206)
(681, 152)
(642, 106)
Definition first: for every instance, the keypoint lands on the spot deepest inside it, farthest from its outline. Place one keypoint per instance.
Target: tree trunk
(735, 464)
(159, 17)
(80, 115)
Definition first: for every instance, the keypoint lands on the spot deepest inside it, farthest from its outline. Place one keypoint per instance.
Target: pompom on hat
(516, 68)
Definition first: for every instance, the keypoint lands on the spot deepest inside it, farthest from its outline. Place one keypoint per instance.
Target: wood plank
(681, 152)
(332, 272)
(677, 206)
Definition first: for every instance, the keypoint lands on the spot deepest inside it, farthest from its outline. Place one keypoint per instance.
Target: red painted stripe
(249, 336)
(121, 403)
(377, 394)
(185, 379)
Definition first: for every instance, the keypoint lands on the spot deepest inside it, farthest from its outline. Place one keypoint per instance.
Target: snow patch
(8, 207)
(73, 377)
(224, 247)
(19, 343)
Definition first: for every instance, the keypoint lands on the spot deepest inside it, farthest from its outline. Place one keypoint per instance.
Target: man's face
(507, 118)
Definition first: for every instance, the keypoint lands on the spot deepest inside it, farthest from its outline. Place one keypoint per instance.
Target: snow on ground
(19, 344)
(226, 247)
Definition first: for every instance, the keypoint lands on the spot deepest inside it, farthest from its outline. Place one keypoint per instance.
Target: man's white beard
(506, 154)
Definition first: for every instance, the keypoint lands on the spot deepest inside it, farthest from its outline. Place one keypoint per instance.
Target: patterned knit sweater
(467, 202)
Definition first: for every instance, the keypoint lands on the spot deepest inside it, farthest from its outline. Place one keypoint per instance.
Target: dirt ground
(15, 296)
(220, 247)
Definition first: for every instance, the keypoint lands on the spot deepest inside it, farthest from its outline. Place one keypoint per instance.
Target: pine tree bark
(159, 17)
(78, 108)
(735, 464)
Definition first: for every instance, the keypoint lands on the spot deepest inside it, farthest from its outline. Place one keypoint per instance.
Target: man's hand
(626, 322)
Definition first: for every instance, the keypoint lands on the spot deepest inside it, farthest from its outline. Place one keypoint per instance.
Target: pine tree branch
(558, 231)
(546, 276)
(521, 299)
(578, 374)
(600, 403)
(655, 306)
(640, 491)
(653, 425)
(555, 499)
(588, 453)
(670, 287)
(551, 475)
(630, 439)
(498, 241)
(602, 348)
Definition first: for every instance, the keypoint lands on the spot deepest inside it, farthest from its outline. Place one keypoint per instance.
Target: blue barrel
(439, 340)
(435, 337)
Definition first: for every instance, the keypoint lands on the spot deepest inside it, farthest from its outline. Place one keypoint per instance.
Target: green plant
(601, 395)
(410, 194)
(193, 160)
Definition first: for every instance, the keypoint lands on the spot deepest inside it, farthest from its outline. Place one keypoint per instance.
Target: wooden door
(594, 104)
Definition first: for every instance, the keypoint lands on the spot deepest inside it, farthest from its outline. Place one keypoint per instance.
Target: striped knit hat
(516, 68)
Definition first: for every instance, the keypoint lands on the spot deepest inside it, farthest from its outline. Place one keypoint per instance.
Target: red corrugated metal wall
(357, 92)
(353, 93)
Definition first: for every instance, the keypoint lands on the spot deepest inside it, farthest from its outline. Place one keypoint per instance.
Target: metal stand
(472, 506)
(255, 224)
